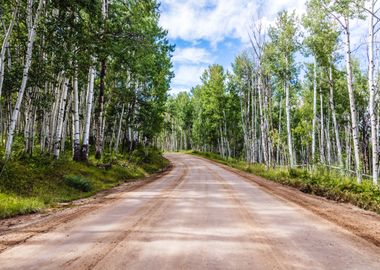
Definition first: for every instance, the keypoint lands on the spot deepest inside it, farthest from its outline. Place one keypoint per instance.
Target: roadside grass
(320, 182)
(30, 184)
(11, 204)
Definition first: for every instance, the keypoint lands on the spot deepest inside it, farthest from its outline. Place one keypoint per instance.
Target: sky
(209, 32)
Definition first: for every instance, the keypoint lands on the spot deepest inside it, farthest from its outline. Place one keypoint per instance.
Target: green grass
(319, 182)
(11, 205)
(30, 184)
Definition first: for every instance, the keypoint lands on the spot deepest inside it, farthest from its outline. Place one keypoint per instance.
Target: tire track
(147, 215)
(275, 254)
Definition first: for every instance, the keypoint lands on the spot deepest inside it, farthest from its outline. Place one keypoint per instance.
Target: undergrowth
(30, 184)
(320, 182)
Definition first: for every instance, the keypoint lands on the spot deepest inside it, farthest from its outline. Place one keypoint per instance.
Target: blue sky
(213, 31)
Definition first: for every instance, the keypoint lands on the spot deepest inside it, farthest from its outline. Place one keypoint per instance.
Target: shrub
(78, 182)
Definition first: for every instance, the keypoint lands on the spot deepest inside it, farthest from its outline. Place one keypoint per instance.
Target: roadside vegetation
(319, 182)
(31, 184)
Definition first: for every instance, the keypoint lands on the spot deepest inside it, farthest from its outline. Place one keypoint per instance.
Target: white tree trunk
(28, 60)
(322, 127)
(76, 154)
(32, 132)
(288, 124)
(225, 136)
(354, 125)
(244, 127)
(90, 97)
(372, 95)
(348, 144)
(105, 8)
(314, 113)
(328, 140)
(279, 133)
(27, 116)
(113, 134)
(43, 132)
(55, 110)
(60, 120)
(262, 122)
(335, 123)
(119, 130)
(65, 128)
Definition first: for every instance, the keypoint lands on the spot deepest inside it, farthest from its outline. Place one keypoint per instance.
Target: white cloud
(211, 20)
(192, 55)
(187, 76)
(214, 20)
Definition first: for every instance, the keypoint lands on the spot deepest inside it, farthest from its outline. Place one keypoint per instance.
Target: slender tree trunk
(288, 124)
(250, 123)
(76, 147)
(113, 135)
(105, 8)
(31, 133)
(90, 96)
(55, 111)
(244, 125)
(348, 146)
(267, 120)
(262, 123)
(27, 114)
(322, 129)
(66, 122)
(328, 141)
(221, 142)
(372, 95)
(119, 130)
(99, 136)
(225, 135)
(43, 131)
(333, 115)
(61, 115)
(314, 113)
(355, 129)
(279, 133)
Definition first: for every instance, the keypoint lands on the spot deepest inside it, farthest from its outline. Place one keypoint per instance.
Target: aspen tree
(89, 101)
(372, 92)
(32, 22)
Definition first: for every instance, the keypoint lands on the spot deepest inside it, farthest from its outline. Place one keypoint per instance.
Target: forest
(90, 76)
(79, 80)
(299, 97)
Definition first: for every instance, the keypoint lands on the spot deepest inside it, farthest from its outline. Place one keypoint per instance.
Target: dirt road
(198, 216)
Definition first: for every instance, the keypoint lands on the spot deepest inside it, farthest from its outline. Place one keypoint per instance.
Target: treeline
(86, 76)
(277, 108)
